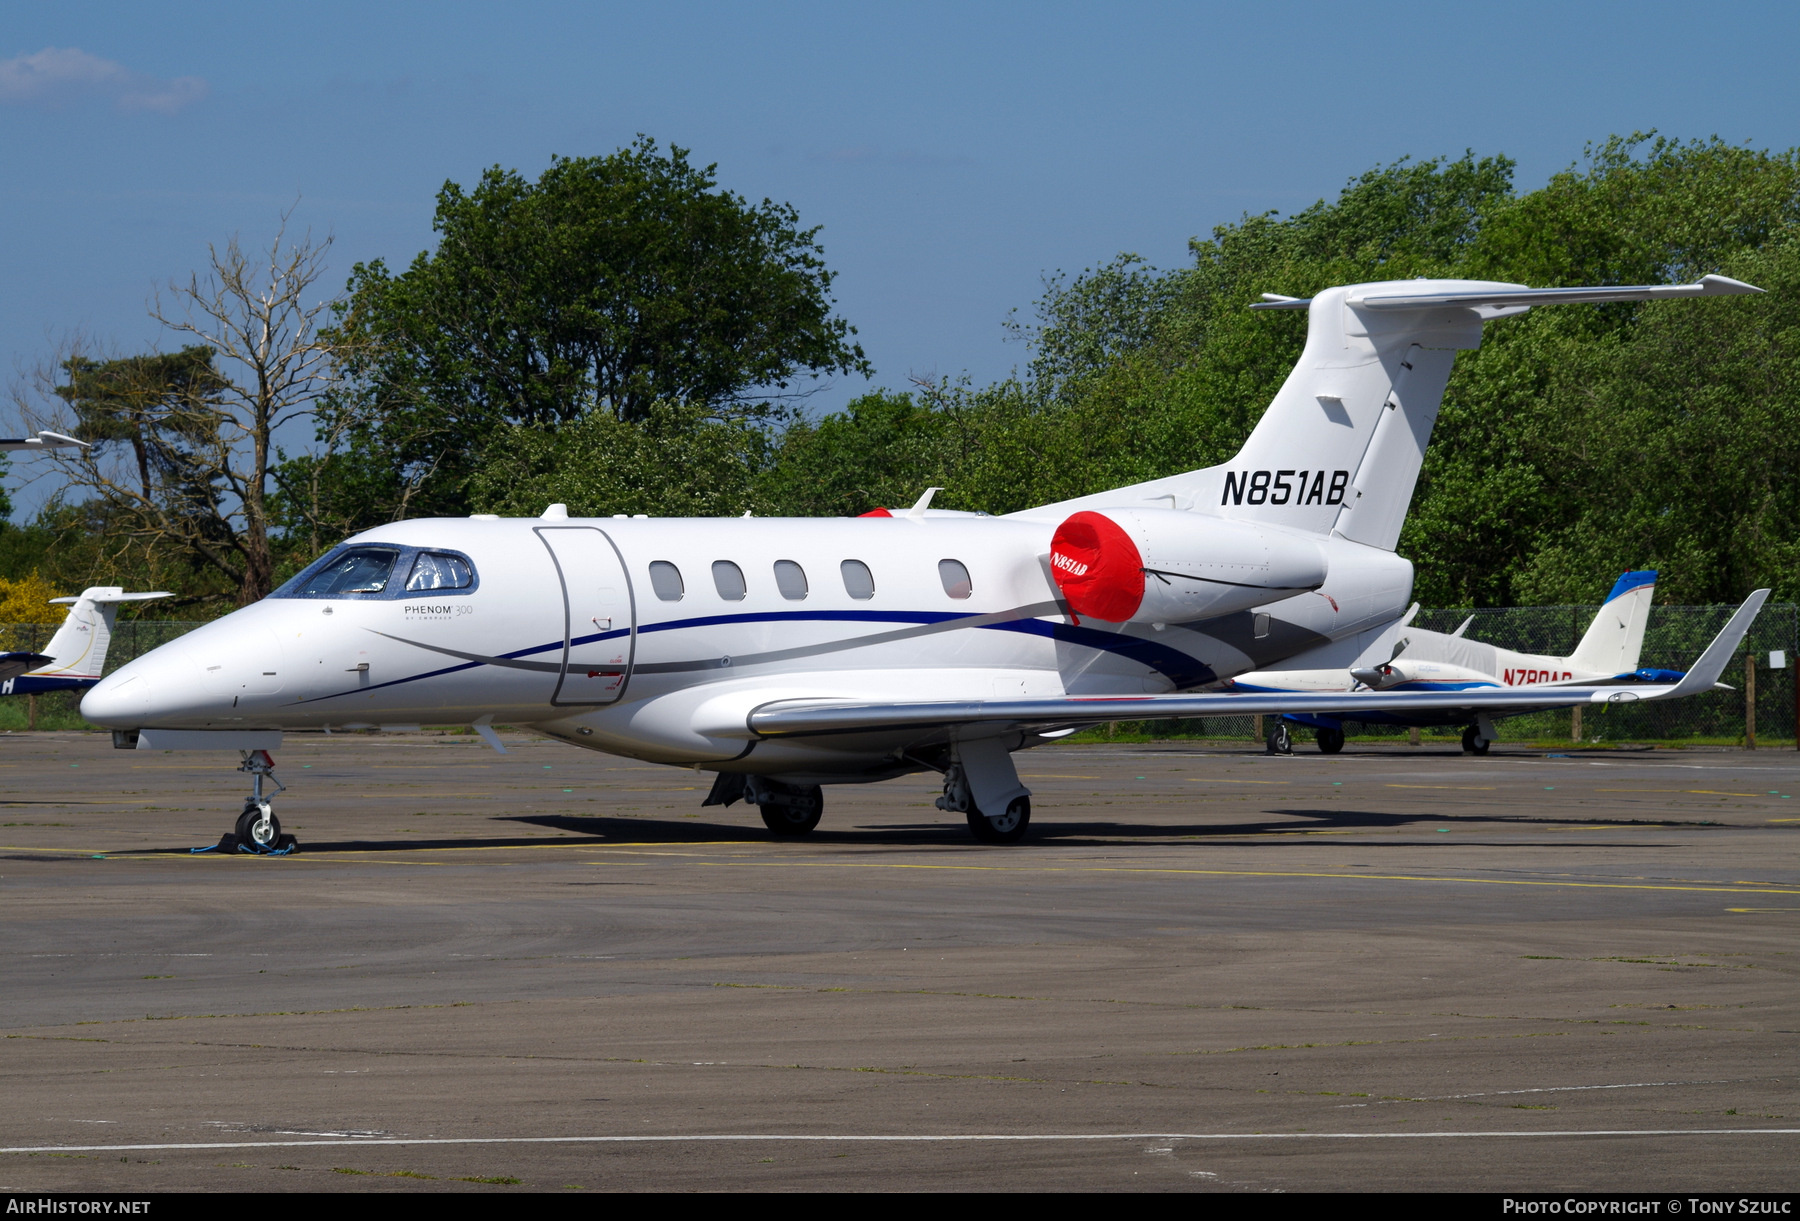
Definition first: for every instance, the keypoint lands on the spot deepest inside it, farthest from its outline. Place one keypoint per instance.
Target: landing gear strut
(1280, 741)
(257, 831)
(987, 765)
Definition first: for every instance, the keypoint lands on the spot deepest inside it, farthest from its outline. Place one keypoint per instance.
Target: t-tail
(1339, 449)
(76, 654)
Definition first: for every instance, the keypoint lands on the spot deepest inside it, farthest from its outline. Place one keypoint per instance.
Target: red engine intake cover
(1097, 567)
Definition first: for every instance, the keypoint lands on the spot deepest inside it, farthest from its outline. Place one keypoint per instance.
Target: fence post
(1749, 701)
(1575, 723)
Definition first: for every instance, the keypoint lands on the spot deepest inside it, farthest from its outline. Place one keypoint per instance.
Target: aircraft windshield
(361, 570)
(435, 570)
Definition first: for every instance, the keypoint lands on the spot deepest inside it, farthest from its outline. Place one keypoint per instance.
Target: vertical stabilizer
(80, 645)
(1616, 636)
(1340, 448)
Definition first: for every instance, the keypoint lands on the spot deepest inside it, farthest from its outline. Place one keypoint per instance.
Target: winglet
(1706, 671)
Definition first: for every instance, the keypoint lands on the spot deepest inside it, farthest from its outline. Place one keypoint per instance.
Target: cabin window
(360, 570)
(665, 579)
(728, 579)
(859, 582)
(435, 570)
(955, 578)
(790, 579)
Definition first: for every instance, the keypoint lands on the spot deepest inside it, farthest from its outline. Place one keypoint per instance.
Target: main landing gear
(1331, 741)
(1473, 742)
(994, 772)
(787, 810)
(257, 830)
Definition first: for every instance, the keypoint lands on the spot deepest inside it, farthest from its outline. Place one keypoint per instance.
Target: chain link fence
(1674, 638)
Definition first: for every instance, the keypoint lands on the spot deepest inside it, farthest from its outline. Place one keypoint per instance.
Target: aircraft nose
(121, 699)
(156, 686)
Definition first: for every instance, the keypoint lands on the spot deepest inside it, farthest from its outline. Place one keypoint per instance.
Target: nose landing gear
(257, 830)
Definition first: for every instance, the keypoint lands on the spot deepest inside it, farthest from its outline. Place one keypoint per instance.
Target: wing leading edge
(798, 718)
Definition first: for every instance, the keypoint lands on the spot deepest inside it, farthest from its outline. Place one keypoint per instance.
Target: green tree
(610, 285)
(184, 455)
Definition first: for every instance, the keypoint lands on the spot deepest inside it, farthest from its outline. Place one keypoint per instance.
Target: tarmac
(1207, 969)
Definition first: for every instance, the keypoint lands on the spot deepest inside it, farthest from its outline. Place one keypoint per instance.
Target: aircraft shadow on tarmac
(1300, 825)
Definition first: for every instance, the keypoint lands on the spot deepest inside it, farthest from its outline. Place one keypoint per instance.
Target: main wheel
(258, 828)
(1331, 741)
(1474, 743)
(1007, 828)
(1281, 742)
(798, 817)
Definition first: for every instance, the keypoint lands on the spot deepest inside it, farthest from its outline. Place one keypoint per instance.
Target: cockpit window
(382, 572)
(435, 570)
(360, 570)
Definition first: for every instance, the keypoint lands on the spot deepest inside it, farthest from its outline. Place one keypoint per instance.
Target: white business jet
(787, 654)
(75, 658)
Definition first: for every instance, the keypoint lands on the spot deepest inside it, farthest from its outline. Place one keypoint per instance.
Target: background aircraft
(786, 654)
(1407, 658)
(44, 440)
(75, 658)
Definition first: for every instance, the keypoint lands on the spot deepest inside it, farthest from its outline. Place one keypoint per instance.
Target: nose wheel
(257, 830)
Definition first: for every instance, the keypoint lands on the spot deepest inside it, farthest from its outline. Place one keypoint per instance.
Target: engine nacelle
(1171, 566)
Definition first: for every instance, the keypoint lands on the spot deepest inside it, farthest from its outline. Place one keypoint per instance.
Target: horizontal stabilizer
(109, 596)
(14, 664)
(1516, 299)
(1708, 286)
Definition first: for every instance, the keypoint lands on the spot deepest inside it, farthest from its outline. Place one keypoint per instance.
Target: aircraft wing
(44, 440)
(794, 718)
(14, 664)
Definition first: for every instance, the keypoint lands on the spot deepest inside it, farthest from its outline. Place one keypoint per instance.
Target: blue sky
(953, 153)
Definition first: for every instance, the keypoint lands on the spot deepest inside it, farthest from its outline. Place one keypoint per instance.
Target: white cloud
(57, 75)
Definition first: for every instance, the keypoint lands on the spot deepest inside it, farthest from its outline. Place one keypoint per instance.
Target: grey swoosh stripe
(758, 659)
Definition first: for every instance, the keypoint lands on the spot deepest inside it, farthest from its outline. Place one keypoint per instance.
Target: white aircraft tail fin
(79, 647)
(1616, 636)
(1340, 447)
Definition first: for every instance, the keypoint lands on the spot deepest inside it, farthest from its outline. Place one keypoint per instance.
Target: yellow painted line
(1221, 780)
(1471, 788)
(1703, 792)
(1053, 776)
(1788, 910)
(1590, 828)
(1236, 873)
(1784, 820)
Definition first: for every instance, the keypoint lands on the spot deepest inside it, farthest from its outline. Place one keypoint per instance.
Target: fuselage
(655, 638)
